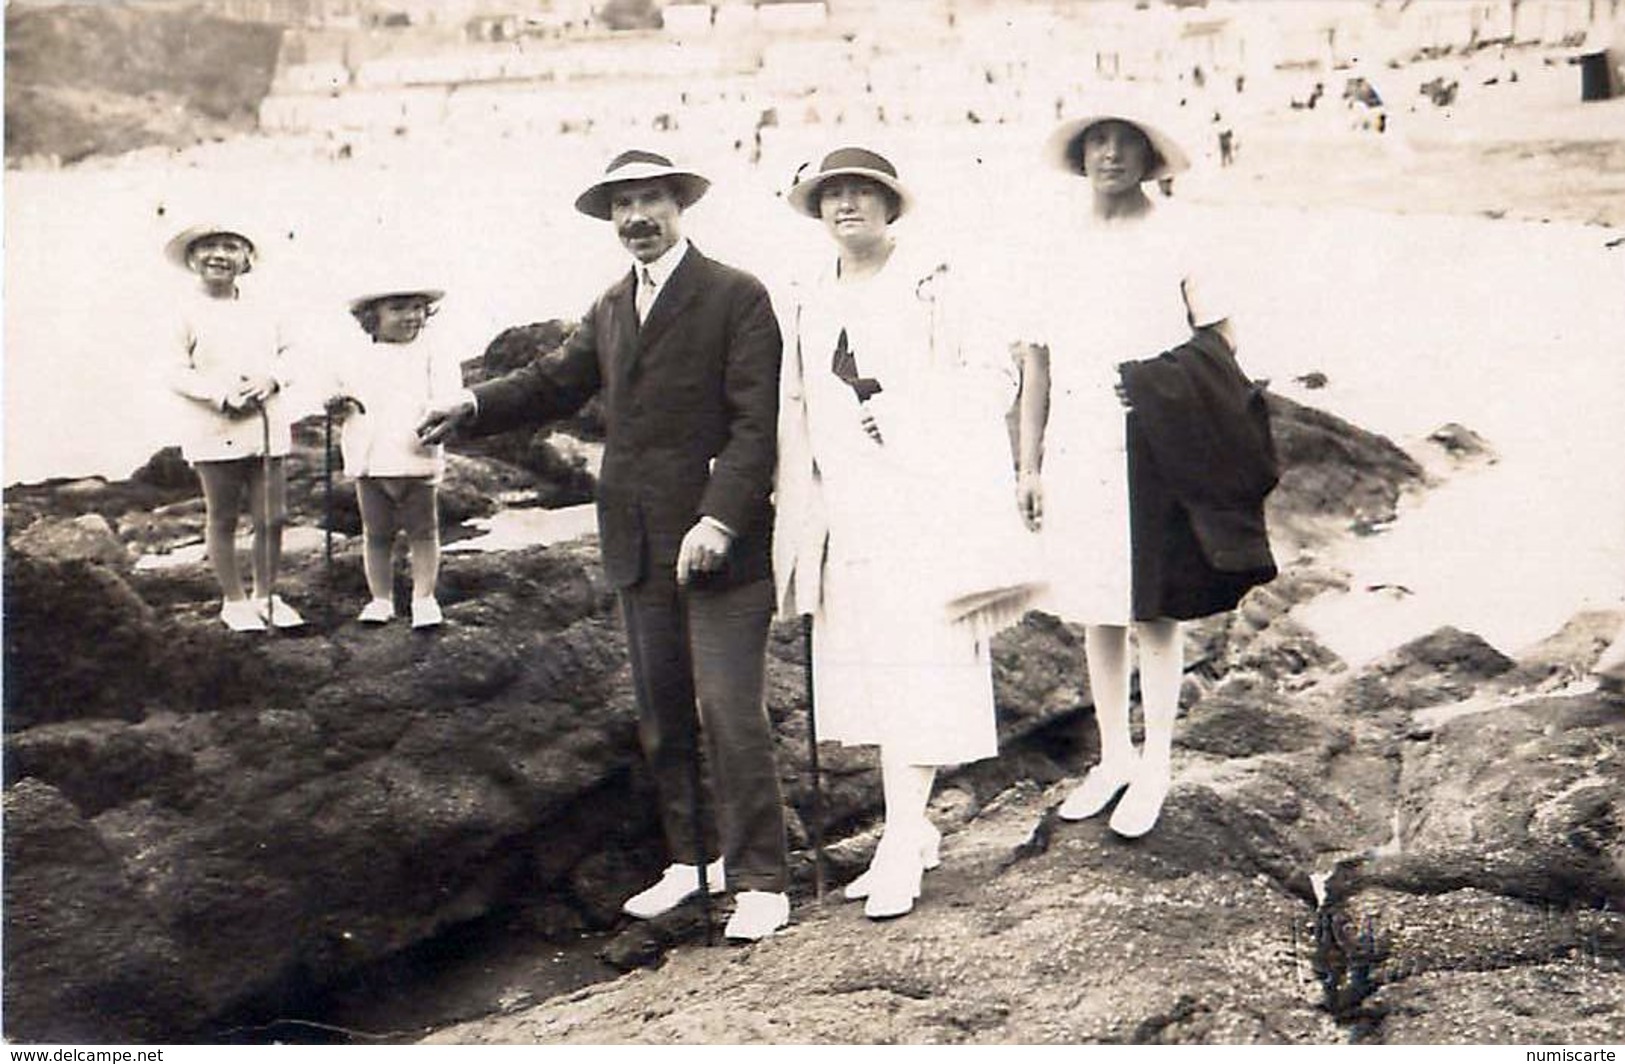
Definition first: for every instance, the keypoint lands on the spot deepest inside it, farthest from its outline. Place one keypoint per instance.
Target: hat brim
(803, 195)
(434, 295)
(687, 186)
(1058, 147)
(177, 248)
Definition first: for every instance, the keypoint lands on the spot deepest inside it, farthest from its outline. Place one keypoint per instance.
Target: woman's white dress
(888, 520)
(1126, 290)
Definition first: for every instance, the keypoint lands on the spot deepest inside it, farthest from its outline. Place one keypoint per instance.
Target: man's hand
(249, 395)
(443, 419)
(1030, 500)
(704, 549)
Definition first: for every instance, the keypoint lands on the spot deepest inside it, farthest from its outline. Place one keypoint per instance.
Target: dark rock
(1331, 470)
(1444, 666)
(1568, 1002)
(87, 538)
(100, 965)
(1517, 802)
(79, 643)
(1231, 724)
(167, 470)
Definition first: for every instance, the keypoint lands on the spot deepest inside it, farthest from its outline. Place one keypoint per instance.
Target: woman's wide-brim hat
(858, 162)
(636, 165)
(179, 246)
(1063, 150)
(373, 295)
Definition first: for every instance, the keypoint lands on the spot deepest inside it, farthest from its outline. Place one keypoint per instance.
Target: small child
(232, 366)
(383, 389)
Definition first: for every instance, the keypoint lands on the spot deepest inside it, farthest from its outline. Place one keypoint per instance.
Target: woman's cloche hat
(638, 165)
(179, 246)
(1061, 148)
(860, 162)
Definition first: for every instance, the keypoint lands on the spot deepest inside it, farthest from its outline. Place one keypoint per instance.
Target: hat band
(857, 159)
(635, 155)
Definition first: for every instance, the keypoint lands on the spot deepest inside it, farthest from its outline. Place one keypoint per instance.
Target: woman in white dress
(1134, 290)
(895, 529)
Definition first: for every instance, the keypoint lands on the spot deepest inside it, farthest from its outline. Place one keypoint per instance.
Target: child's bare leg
(420, 514)
(269, 511)
(378, 538)
(223, 484)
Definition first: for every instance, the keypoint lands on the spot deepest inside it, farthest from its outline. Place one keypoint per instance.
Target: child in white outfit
(383, 387)
(229, 361)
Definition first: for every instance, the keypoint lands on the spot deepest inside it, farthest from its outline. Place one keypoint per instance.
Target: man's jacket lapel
(681, 289)
(623, 316)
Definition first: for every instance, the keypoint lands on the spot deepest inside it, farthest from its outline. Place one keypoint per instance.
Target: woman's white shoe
(894, 878)
(1137, 813)
(1097, 790)
(930, 857)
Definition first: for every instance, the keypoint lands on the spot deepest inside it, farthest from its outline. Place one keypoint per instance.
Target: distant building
(687, 20)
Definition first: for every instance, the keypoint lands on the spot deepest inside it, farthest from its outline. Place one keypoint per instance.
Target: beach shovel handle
(263, 540)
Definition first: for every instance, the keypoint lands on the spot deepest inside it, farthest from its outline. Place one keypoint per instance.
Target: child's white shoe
(378, 611)
(426, 613)
(242, 615)
(279, 613)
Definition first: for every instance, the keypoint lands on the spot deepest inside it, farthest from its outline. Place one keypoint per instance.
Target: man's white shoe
(757, 914)
(679, 883)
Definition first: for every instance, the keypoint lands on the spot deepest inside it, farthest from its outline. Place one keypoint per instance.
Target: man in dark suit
(685, 352)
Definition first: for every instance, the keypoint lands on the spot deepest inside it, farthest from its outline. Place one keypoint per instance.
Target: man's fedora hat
(1064, 148)
(637, 165)
(860, 162)
(179, 246)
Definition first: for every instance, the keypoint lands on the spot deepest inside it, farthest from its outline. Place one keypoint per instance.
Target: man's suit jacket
(691, 410)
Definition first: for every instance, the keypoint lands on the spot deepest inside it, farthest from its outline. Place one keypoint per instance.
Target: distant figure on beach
(1227, 146)
(1145, 452)
(884, 405)
(229, 361)
(685, 351)
(382, 387)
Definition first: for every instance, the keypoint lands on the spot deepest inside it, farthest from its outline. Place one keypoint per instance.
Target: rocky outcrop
(86, 79)
(247, 818)
(1327, 869)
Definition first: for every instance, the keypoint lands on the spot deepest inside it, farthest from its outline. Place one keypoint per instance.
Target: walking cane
(695, 802)
(327, 510)
(265, 517)
(812, 765)
(701, 854)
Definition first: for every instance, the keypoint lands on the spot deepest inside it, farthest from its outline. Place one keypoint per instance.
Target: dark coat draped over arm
(1201, 463)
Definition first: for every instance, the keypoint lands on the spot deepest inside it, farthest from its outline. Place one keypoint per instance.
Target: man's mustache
(637, 229)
